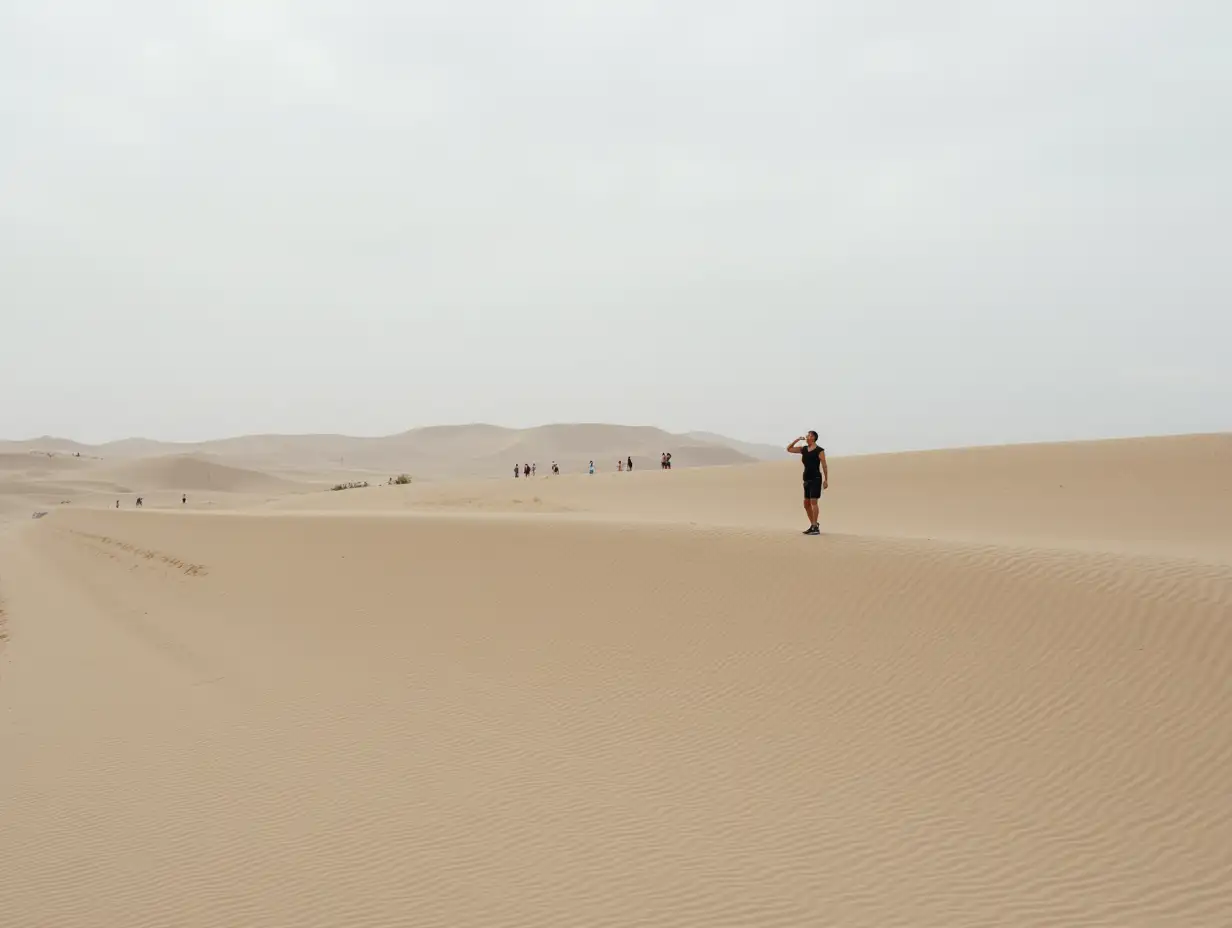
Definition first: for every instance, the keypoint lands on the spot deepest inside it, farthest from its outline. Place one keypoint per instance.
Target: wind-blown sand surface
(997, 693)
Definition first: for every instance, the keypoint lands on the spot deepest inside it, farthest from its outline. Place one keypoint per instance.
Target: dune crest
(1156, 496)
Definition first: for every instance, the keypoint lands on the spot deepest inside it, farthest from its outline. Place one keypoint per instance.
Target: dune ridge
(1156, 496)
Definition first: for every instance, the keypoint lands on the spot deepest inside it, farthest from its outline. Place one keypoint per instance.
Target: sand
(996, 692)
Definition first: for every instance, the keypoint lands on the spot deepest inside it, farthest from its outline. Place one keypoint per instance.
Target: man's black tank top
(812, 463)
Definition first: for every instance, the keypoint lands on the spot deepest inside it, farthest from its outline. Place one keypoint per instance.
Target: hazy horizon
(906, 227)
(841, 451)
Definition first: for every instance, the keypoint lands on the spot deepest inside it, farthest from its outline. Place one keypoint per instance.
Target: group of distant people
(141, 501)
(532, 469)
(622, 466)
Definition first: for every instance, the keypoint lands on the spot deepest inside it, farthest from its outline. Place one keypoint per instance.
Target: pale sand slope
(566, 719)
(181, 473)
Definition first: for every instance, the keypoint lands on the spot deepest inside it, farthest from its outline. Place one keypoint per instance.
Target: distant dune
(992, 693)
(433, 452)
(262, 465)
(31, 462)
(190, 472)
(47, 444)
(761, 452)
(35, 480)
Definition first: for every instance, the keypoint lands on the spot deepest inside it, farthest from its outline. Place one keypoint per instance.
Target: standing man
(816, 476)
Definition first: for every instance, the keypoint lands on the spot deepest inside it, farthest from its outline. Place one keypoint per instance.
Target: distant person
(663, 461)
(534, 467)
(629, 464)
(555, 469)
(138, 502)
(117, 504)
(592, 467)
(620, 465)
(516, 471)
(667, 460)
(816, 476)
(184, 499)
(526, 470)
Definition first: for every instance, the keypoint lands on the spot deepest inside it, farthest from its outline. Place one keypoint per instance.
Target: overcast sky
(903, 223)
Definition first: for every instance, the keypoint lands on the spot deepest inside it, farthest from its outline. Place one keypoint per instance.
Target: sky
(903, 224)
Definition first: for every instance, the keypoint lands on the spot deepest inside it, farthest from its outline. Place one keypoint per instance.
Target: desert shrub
(402, 479)
(354, 485)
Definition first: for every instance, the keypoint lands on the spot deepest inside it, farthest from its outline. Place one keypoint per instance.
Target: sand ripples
(380, 722)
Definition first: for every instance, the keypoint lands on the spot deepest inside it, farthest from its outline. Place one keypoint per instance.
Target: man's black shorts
(812, 489)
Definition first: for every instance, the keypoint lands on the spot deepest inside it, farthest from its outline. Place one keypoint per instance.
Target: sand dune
(47, 444)
(760, 452)
(37, 464)
(177, 473)
(993, 696)
(438, 451)
(34, 481)
(30, 482)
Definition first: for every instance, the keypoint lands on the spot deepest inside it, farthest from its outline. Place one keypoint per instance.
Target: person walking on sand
(184, 499)
(620, 465)
(534, 468)
(592, 467)
(816, 476)
(629, 465)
